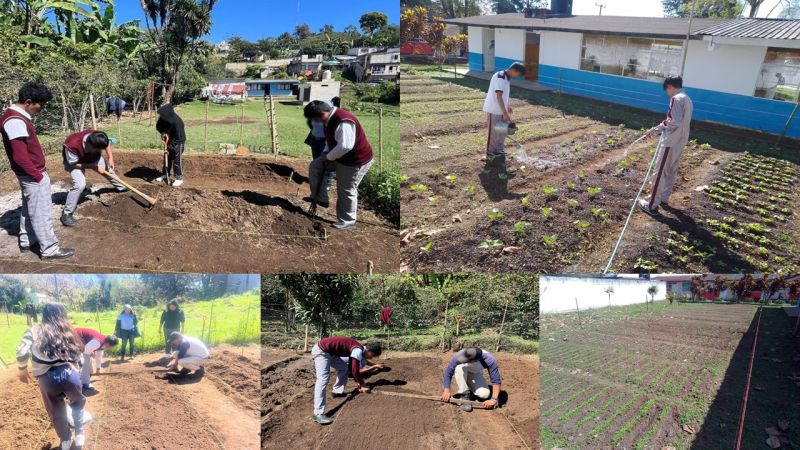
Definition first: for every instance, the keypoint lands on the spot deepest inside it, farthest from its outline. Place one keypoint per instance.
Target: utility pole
(688, 35)
(601, 6)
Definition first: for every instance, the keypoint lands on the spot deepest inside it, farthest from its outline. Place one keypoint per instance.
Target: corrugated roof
(664, 27)
(755, 28)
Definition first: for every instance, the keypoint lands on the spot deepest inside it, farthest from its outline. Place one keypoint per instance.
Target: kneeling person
(94, 344)
(345, 355)
(467, 366)
(189, 353)
(84, 150)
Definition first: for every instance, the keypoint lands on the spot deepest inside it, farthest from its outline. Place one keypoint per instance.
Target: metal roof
(755, 28)
(663, 27)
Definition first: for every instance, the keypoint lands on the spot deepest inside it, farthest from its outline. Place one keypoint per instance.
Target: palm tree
(652, 290)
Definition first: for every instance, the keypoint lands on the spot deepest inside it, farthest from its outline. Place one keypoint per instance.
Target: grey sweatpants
(665, 175)
(79, 185)
(495, 143)
(347, 180)
(469, 377)
(56, 384)
(322, 364)
(86, 369)
(36, 220)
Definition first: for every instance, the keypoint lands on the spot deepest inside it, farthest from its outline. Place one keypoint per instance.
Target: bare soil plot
(233, 214)
(397, 422)
(671, 376)
(136, 410)
(558, 201)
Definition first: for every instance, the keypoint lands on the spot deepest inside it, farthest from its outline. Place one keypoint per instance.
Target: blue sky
(254, 19)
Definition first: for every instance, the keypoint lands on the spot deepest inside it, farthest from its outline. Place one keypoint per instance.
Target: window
(377, 69)
(284, 86)
(780, 75)
(643, 58)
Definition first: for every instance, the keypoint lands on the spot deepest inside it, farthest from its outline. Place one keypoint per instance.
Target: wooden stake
(380, 138)
(94, 117)
(205, 133)
(241, 128)
(502, 323)
(210, 322)
(305, 341)
(119, 132)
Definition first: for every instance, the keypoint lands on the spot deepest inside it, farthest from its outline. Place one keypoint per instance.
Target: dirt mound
(281, 382)
(24, 422)
(235, 375)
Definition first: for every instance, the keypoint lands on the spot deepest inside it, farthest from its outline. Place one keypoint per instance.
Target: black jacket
(171, 124)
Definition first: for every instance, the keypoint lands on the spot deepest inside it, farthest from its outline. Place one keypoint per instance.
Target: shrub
(381, 191)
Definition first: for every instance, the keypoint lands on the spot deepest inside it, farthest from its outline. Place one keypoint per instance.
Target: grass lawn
(228, 323)
(224, 127)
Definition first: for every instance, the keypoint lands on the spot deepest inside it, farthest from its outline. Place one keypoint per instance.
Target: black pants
(175, 160)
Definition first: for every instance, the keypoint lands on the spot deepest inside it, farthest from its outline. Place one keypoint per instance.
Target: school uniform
(344, 355)
(345, 143)
(93, 348)
(27, 161)
(57, 379)
(676, 135)
(500, 82)
(74, 153)
(171, 124)
(469, 374)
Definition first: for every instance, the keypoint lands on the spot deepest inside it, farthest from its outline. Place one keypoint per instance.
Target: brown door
(532, 62)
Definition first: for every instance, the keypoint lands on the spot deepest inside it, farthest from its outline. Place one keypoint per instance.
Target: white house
(305, 64)
(741, 72)
(381, 66)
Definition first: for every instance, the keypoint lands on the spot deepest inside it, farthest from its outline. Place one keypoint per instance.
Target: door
(532, 57)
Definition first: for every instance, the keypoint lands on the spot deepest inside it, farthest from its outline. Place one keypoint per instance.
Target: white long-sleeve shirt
(679, 119)
(94, 347)
(345, 139)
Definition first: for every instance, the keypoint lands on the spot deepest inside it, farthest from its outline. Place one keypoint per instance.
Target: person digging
(173, 135)
(188, 354)
(467, 366)
(348, 152)
(344, 355)
(676, 135)
(84, 150)
(497, 106)
(94, 345)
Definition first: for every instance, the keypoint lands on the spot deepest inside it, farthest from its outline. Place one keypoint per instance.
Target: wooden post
(97, 316)
(144, 331)
(444, 332)
(273, 127)
(151, 93)
(210, 322)
(119, 132)
(503, 322)
(94, 117)
(241, 128)
(305, 340)
(205, 133)
(380, 138)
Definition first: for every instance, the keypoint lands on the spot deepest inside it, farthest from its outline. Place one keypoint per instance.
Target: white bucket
(505, 128)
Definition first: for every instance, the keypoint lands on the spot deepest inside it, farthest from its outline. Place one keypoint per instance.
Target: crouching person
(94, 345)
(344, 355)
(347, 151)
(188, 355)
(84, 150)
(54, 349)
(467, 366)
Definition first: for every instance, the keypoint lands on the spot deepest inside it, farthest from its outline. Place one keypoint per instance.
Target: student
(30, 314)
(127, 329)
(54, 349)
(173, 133)
(28, 163)
(316, 140)
(497, 106)
(172, 320)
(467, 366)
(188, 355)
(347, 151)
(343, 354)
(84, 150)
(94, 344)
(676, 128)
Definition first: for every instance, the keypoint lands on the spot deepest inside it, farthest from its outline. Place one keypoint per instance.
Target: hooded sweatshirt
(171, 124)
(172, 320)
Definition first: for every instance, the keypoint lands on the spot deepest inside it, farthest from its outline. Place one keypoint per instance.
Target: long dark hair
(57, 339)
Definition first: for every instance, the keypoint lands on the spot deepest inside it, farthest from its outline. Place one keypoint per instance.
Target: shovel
(166, 161)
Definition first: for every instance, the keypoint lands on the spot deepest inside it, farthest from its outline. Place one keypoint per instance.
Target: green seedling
(550, 191)
(490, 244)
(571, 185)
(418, 187)
(550, 241)
(525, 202)
(470, 188)
(427, 247)
(594, 191)
(644, 265)
(546, 212)
(581, 174)
(495, 214)
(403, 178)
(452, 178)
(572, 203)
(519, 229)
(434, 198)
(582, 225)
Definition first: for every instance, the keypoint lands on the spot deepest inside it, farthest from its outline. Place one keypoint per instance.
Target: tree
(175, 28)
(373, 21)
(442, 44)
(511, 6)
(791, 10)
(718, 9)
(327, 28)
(652, 290)
(413, 24)
(302, 31)
(754, 5)
(609, 290)
(317, 299)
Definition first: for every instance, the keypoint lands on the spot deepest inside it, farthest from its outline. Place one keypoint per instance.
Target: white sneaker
(66, 445)
(160, 179)
(80, 439)
(177, 183)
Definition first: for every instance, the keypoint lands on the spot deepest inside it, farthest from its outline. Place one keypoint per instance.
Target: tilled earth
(397, 422)
(135, 409)
(233, 214)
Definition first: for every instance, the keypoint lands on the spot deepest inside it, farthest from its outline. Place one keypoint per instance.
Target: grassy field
(224, 127)
(235, 320)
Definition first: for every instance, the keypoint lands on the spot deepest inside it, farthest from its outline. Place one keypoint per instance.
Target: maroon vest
(339, 346)
(74, 144)
(361, 152)
(35, 152)
(87, 334)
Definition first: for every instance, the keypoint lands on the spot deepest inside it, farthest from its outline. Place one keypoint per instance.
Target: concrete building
(380, 66)
(563, 293)
(262, 88)
(267, 67)
(740, 72)
(325, 89)
(361, 51)
(306, 65)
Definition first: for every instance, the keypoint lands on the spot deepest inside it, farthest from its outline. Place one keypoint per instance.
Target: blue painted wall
(267, 89)
(475, 61)
(730, 109)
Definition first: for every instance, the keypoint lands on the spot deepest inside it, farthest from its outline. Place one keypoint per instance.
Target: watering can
(505, 128)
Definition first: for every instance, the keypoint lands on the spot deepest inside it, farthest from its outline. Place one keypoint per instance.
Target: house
(561, 293)
(380, 66)
(225, 92)
(325, 89)
(305, 65)
(223, 48)
(739, 72)
(267, 67)
(361, 51)
(262, 88)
